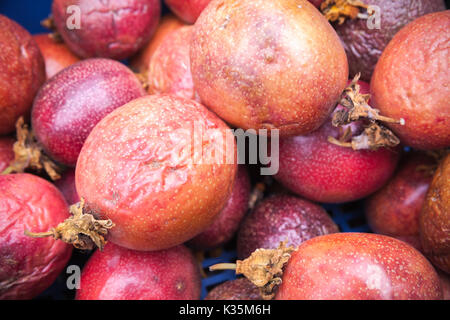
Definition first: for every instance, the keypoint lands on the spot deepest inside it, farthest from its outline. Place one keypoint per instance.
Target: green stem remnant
(264, 268)
(82, 230)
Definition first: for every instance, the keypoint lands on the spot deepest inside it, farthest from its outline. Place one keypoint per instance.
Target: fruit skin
(67, 186)
(28, 265)
(316, 3)
(56, 55)
(435, 218)
(239, 289)
(364, 46)
(113, 29)
(140, 62)
(169, 70)
(22, 72)
(410, 81)
(117, 273)
(187, 10)
(6, 152)
(280, 218)
(227, 223)
(395, 209)
(138, 169)
(316, 169)
(445, 283)
(251, 67)
(358, 266)
(71, 103)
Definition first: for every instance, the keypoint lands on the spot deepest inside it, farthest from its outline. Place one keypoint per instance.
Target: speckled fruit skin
(395, 209)
(435, 218)
(411, 81)
(316, 169)
(71, 103)
(187, 10)
(169, 69)
(239, 289)
(280, 218)
(227, 222)
(364, 45)
(122, 274)
(133, 170)
(113, 29)
(6, 152)
(28, 266)
(67, 186)
(358, 266)
(141, 60)
(268, 64)
(22, 72)
(56, 54)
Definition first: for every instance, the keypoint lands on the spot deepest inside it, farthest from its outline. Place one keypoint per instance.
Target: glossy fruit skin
(395, 209)
(435, 218)
(318, 170)
(227, 222)
(410, 81)
(67, 186)
(56, 54)
(71, 103)
(6, 152)
(187, 10)
(358, 266)
(239, 289)
(28, 266)
(22, 72)
(140, 62)
(113, 29)
(279, 218)
(136, 168)
(169, 69)
(251, 67)
(364, 45)
(117, 273)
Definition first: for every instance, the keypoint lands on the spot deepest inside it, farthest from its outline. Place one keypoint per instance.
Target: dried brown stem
(357, 107)
(340, 10)
(28, 154)
(373, 137)
(264, 268)
(143, 79)
(82, 230)
(49, 24)
(256, 195)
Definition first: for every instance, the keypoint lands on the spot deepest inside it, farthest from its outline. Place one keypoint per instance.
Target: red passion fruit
(28, 265)
(22, 72)
(140, 169)
(268, 64)
(71, 103)
(113, 29)
(117, 273)
(411, 81)
(358, 266)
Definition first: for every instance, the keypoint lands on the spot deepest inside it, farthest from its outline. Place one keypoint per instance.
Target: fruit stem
(82, 230)
(340, 10)
(39, 234)
(339, 143)
(7, 170)
(223, 266)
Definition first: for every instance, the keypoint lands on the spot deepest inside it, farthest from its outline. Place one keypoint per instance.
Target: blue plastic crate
(348, 217)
